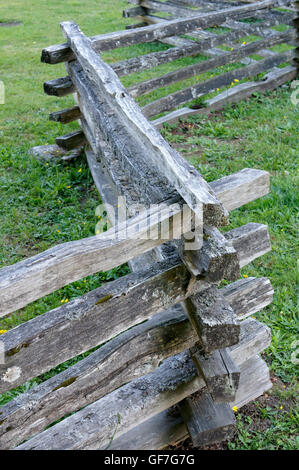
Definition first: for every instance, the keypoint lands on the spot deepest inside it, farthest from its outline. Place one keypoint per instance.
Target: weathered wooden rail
(169, 334)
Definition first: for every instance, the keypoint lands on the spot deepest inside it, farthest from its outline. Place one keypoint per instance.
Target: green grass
(45, 204)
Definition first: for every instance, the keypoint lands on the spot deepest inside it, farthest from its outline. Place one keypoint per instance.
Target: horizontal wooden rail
(63, 52)
(44, 273)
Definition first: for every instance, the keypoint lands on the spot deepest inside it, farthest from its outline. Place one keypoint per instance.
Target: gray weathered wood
(219, 372)
(188, 94)
(167, 428)
(250, 241)
(131, 354)
(249, 183)
(56, 267)
(256, 294)
(59, 87)
(66, 115)
(72, 140)
(271, 81)
(218, 258)
(213, 319)
(63, 52)
(207, 422)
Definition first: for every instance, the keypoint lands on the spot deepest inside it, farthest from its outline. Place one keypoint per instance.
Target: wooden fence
(177, 349)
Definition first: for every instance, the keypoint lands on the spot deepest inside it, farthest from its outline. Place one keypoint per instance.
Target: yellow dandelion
(58, 231)
(281, 407)
(80, 169)
(218, 89)
(232, 49)
(235, 409)
(68, 187)
(66, 300)
(47, 164)
(245, 275)
(2, 332)
(236, 80)
(243, 43)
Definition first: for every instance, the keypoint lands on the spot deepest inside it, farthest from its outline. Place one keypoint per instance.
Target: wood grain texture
(207, 422)
(250, 241)
(256, 294)
(149, 291)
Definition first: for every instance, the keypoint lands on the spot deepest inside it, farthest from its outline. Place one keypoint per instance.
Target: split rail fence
(178, 350)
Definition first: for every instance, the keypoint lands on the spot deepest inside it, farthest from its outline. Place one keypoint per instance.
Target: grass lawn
(43, 204)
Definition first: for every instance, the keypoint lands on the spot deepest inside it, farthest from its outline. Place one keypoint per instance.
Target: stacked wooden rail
(178, 350)
(190, 36)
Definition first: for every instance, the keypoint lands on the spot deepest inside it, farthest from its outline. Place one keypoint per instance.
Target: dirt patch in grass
(280, 399)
